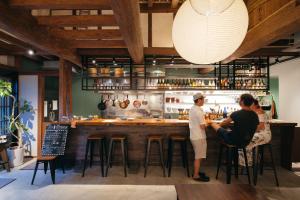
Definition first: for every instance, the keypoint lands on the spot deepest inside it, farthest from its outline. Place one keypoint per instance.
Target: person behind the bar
(263, 134)
(197, 126)
(245, 124)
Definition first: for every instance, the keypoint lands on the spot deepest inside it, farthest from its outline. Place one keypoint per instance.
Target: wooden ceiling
(71, 28)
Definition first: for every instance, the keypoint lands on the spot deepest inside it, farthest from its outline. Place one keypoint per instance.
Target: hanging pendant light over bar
(210, 7)
(204, 39)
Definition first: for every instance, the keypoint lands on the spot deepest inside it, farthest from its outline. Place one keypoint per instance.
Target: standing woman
(263, 133)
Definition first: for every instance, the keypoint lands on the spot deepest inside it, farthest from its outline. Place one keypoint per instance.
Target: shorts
(200, 147)
(225, 135)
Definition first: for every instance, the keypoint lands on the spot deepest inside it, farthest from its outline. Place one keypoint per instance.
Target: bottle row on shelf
(180, 83)
(251, 70)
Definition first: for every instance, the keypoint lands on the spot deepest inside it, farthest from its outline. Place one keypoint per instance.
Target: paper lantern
(204, 39)
(210, 7)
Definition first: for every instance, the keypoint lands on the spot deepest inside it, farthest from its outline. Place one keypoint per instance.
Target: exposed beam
(90, 44)
(103, 52)
(272, 52)
(77, 20)
(61, 4)
(150, 3)
(174, 3)
(163, 51)
(65, 89)
(87, 34)
(23, 26)
(280, 24)
(158, 8)
(127, 14)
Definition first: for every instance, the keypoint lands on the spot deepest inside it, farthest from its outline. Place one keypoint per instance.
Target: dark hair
(196, 101)
(256, 103)
(247, 99)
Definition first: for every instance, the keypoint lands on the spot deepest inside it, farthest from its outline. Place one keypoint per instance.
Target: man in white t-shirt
(197, 127)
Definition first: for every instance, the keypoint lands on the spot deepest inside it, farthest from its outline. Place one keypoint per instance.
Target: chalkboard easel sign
(55, 139)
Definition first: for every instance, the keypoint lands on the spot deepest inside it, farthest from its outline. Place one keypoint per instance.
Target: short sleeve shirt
(196, 118)
(244, 127)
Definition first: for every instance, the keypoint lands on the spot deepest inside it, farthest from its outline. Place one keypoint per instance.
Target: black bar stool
(159, 140)
(91, 140)
(231, 156)
(182, 140)
(261, 162)
(122, 139)
(3, 154)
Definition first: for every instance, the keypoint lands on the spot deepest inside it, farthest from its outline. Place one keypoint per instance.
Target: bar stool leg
(182, 154)
(91, 153)
(112, 154)
(52, 170)
(273, 165)
(255, 163)
(124, 158)
(35, 170)
(236, 162)
(171, 147)
(219, 160)
(168, 154)
(101, 145)
(85, 157)
(127, 154)
(162, 157)
(147, 157)
(62, 163)
(45, 167)
(247, 167)
(228, 165)
(262, 159)
(109, 156)
(186, 158)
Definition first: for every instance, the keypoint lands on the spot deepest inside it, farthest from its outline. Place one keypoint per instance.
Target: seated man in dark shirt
(244, 126)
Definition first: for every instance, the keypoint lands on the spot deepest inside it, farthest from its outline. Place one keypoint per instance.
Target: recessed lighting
(30, 52)
(94, 61)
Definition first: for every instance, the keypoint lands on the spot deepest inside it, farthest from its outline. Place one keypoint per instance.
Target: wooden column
(65, 89)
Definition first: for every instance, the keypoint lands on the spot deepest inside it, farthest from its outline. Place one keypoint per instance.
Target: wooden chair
(51, 161)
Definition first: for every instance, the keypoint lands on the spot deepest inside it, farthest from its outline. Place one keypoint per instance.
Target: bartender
(197, 127)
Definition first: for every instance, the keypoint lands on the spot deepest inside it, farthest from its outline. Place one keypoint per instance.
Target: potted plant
(16, 128)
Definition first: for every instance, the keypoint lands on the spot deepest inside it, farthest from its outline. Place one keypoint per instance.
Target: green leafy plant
(16, 128)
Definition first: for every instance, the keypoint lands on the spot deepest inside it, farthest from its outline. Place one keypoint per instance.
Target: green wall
(274, 89)
(84, 102)
(28, 65)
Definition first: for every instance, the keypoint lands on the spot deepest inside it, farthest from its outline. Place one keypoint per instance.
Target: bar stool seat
(182, 140)
(159, 140)
(91, 140)
(122, 139)
(232, 156)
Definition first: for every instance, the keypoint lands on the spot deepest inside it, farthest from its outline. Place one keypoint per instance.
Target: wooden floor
(218, 192)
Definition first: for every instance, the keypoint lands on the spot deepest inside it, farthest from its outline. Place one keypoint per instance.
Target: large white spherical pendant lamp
(210, 7)
(204, 39)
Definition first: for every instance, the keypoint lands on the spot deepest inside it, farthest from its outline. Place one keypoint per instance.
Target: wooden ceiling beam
(91, 44)
(163, 51)
(150, 3)
(103, 52)
(77, 20)
(127, 14)
(174, 3)
(22, 25)
(279, 24)
(61, 4)
(157, 8)
(88, 34)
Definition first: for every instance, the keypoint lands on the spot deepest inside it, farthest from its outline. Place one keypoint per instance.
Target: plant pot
(15, 156)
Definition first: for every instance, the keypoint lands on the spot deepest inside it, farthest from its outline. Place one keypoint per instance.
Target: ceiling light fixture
(202, 39)
(210, 7)
(31, 52)
(94, 61)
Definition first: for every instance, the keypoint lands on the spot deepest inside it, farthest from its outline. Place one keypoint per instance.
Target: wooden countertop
(134, 122)
(147, 122)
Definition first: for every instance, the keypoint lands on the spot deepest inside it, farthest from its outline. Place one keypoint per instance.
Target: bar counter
(138, 129)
